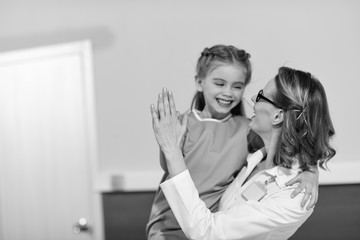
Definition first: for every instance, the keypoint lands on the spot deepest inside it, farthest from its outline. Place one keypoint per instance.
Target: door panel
(48, 145)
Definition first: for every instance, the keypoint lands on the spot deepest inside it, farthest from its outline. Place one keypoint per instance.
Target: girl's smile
(224, 103)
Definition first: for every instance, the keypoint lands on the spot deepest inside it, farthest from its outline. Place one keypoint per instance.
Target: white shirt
(275, 216)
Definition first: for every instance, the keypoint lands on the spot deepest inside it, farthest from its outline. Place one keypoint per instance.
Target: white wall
(142, 46)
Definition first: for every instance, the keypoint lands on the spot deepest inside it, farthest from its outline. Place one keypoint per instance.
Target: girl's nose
(228, 93)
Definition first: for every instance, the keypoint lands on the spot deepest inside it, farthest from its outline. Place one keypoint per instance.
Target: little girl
(215, 127)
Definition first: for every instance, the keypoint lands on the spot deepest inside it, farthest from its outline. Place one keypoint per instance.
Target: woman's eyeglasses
(261, 96)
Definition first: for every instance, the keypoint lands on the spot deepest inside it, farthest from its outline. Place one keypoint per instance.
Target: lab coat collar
(283, 175)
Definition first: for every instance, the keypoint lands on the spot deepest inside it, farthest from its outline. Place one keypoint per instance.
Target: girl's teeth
(224, 101)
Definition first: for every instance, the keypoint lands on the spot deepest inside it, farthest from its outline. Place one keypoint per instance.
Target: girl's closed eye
(219, 83)
(238, 86)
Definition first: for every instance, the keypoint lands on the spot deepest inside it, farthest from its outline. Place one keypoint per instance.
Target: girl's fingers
(311, 204)
(154, 115)
(305, 198)
(296, 191)
(312, 201)
(293, 181)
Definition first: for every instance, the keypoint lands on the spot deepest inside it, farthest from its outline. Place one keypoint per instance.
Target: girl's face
(265, 112)
(223, 88)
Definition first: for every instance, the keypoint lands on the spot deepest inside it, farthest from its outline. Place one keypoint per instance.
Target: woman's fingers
(154, 115)
(168, 129)
(160, 106)
(172, 104)
(166, 104)
(165, 94)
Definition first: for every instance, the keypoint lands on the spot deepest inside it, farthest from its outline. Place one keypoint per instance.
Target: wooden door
(48, 150)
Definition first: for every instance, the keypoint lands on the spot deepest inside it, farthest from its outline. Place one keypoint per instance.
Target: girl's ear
(198, 83)
(278, 117)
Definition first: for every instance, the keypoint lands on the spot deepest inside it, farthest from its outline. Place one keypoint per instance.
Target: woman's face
(262, 121)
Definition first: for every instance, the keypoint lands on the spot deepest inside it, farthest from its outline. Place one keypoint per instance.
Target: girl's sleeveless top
(214, 152)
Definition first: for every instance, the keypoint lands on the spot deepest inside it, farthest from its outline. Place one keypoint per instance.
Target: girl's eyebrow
(219, 79)
(242, 84)
(223, 80)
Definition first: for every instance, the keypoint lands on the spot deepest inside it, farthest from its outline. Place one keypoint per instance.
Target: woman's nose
(253, 98)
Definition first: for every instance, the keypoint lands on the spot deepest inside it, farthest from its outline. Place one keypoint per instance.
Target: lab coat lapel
(252, 161)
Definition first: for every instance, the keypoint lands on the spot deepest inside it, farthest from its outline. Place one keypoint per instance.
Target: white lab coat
(276, 216)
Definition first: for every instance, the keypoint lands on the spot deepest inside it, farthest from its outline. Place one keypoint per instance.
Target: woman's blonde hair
(307, 127)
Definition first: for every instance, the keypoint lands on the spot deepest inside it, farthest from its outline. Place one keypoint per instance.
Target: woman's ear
(278, 117)
(198, 83)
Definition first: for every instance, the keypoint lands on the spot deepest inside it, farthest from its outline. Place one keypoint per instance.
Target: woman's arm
(163, 161)
(169, 131)
(162, 158)
(276, 214)
(243, 221)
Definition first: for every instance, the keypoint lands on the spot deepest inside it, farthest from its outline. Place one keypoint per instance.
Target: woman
(292, 118)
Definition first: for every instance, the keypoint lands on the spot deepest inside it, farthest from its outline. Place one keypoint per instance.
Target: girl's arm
(309, 181)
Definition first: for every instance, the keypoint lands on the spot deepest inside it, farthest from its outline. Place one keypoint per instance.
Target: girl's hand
(309, 182)
(167, 127)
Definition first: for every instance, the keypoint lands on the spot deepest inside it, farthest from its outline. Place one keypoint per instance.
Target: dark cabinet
(336, 215)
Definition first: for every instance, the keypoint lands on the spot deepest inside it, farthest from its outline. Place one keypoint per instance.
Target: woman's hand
(309, 183)
(167, 127)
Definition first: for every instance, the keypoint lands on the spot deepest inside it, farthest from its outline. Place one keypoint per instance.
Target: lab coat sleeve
(249, 220)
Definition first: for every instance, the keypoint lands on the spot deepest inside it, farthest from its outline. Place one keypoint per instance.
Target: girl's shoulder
(241, 120)
(254, 141)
